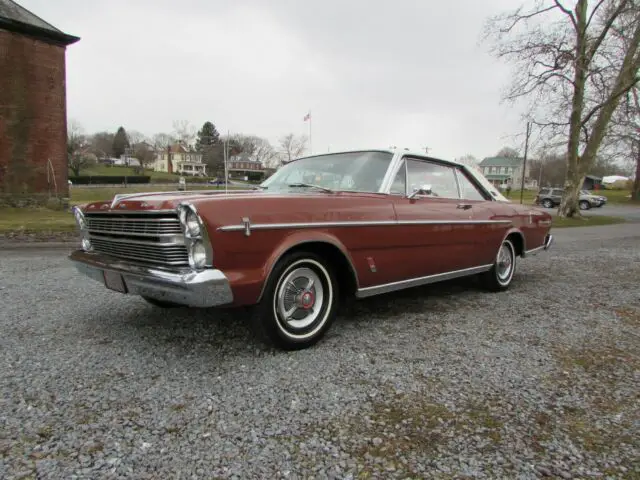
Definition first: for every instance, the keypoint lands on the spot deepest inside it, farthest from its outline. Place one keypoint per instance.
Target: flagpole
(310, 143)
(226, 174)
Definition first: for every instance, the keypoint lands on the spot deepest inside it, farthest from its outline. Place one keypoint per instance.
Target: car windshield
(352, 171)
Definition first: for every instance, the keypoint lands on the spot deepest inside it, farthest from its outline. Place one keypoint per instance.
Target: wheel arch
(518, 240)
(327, 247)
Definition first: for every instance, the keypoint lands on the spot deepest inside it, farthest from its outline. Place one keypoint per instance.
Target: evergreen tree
(120, 142)
(208, 135)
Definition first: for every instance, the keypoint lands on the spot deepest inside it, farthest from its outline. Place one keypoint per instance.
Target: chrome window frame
(399, 158)
(401, 161)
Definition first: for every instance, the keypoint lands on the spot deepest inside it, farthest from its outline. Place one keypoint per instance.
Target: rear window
(544, 191)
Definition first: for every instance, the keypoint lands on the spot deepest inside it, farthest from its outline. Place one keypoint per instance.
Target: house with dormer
(181, 159)
(507, 171)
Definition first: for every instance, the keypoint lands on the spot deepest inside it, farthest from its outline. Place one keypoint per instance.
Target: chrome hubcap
(505, 262)
(299, 299)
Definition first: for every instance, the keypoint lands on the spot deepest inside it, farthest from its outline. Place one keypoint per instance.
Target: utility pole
(524, 164)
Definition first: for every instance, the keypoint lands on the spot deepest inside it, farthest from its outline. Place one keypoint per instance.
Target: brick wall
(33, 123)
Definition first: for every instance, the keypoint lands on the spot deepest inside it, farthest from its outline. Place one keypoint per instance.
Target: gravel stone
(438, 382)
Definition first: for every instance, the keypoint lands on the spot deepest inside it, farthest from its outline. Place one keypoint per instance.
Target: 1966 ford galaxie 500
(321, 228)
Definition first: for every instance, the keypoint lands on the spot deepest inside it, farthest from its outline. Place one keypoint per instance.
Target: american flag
(307, 117)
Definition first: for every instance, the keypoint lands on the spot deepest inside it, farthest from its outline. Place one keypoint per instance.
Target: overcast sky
(373, 73)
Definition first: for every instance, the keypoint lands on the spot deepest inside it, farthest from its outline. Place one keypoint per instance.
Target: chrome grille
(150, 238)
(146, 227)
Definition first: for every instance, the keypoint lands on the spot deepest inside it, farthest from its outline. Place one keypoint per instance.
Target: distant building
(181, 159)
(33, 104)
(245, 169)
(503, 171)
(592, 182)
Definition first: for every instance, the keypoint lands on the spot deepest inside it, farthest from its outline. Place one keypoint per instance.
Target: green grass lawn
(35, 220)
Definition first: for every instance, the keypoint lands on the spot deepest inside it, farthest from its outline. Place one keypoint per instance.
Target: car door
(436, 231)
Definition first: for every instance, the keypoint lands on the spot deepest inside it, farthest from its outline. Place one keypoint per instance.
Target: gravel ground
(440, 382)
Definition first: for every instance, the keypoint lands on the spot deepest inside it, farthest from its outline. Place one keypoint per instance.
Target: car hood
(156, 201)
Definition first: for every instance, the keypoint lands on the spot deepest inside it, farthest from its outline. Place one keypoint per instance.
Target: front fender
(300, 239)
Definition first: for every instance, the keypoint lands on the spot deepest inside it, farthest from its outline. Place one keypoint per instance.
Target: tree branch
(593, 13)
(517, 17)
(567, 12)
(605, 30)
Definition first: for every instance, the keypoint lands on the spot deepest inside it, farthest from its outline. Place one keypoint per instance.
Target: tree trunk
(635, 193)
(624, 80)
(569, 203)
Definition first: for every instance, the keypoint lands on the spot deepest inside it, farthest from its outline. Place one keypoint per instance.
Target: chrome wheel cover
(504, 263)
(302, 299)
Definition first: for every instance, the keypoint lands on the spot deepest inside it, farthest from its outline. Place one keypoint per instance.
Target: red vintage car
(320, 229)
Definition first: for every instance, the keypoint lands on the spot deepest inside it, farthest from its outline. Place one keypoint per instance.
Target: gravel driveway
(439, 382)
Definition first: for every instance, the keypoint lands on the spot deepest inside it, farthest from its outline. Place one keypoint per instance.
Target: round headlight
(86, 244)
(198, 255)
(192, 224)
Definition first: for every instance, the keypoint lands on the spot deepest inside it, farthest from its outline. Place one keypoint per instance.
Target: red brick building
(33, 105)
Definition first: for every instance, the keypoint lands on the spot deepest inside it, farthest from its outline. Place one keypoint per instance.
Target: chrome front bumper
(208, 288)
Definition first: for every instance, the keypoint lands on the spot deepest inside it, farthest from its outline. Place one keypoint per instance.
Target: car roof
(392, 151)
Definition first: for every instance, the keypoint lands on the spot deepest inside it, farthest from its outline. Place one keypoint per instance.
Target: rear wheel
(546, 203)
(299, 303)
(584, 205)
(501, 274)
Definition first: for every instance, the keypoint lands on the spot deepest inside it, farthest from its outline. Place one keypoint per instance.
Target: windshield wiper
(311, 185)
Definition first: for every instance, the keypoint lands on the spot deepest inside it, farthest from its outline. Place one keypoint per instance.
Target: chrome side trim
(548, 240)
(208, 288)
(365, 223)
(415, 282)
(533, 251)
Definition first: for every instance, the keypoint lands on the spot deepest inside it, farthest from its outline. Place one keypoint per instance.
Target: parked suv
(551, 197)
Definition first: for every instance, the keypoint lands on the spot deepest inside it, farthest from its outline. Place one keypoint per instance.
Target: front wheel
(299, 302)
(501, 274)
(547, 203)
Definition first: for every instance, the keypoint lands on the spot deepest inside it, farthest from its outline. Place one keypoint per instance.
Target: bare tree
(184, 131)
(162, 140)
(265, 153)
(78, 148)
(136, 137)
(256, 149)
(292, 146)
(626, 134)
(508, 152)
(565, 67)
(468, 160)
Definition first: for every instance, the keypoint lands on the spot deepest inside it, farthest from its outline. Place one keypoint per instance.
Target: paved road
(437, 382)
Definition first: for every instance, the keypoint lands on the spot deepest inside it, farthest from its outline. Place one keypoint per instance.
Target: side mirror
(421, 190)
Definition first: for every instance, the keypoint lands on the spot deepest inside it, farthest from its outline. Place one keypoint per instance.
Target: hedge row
(108, 179)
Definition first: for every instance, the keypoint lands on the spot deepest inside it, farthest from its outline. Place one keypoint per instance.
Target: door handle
(464, 206)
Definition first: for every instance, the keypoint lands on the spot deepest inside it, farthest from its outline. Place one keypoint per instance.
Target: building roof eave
(46, 35)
